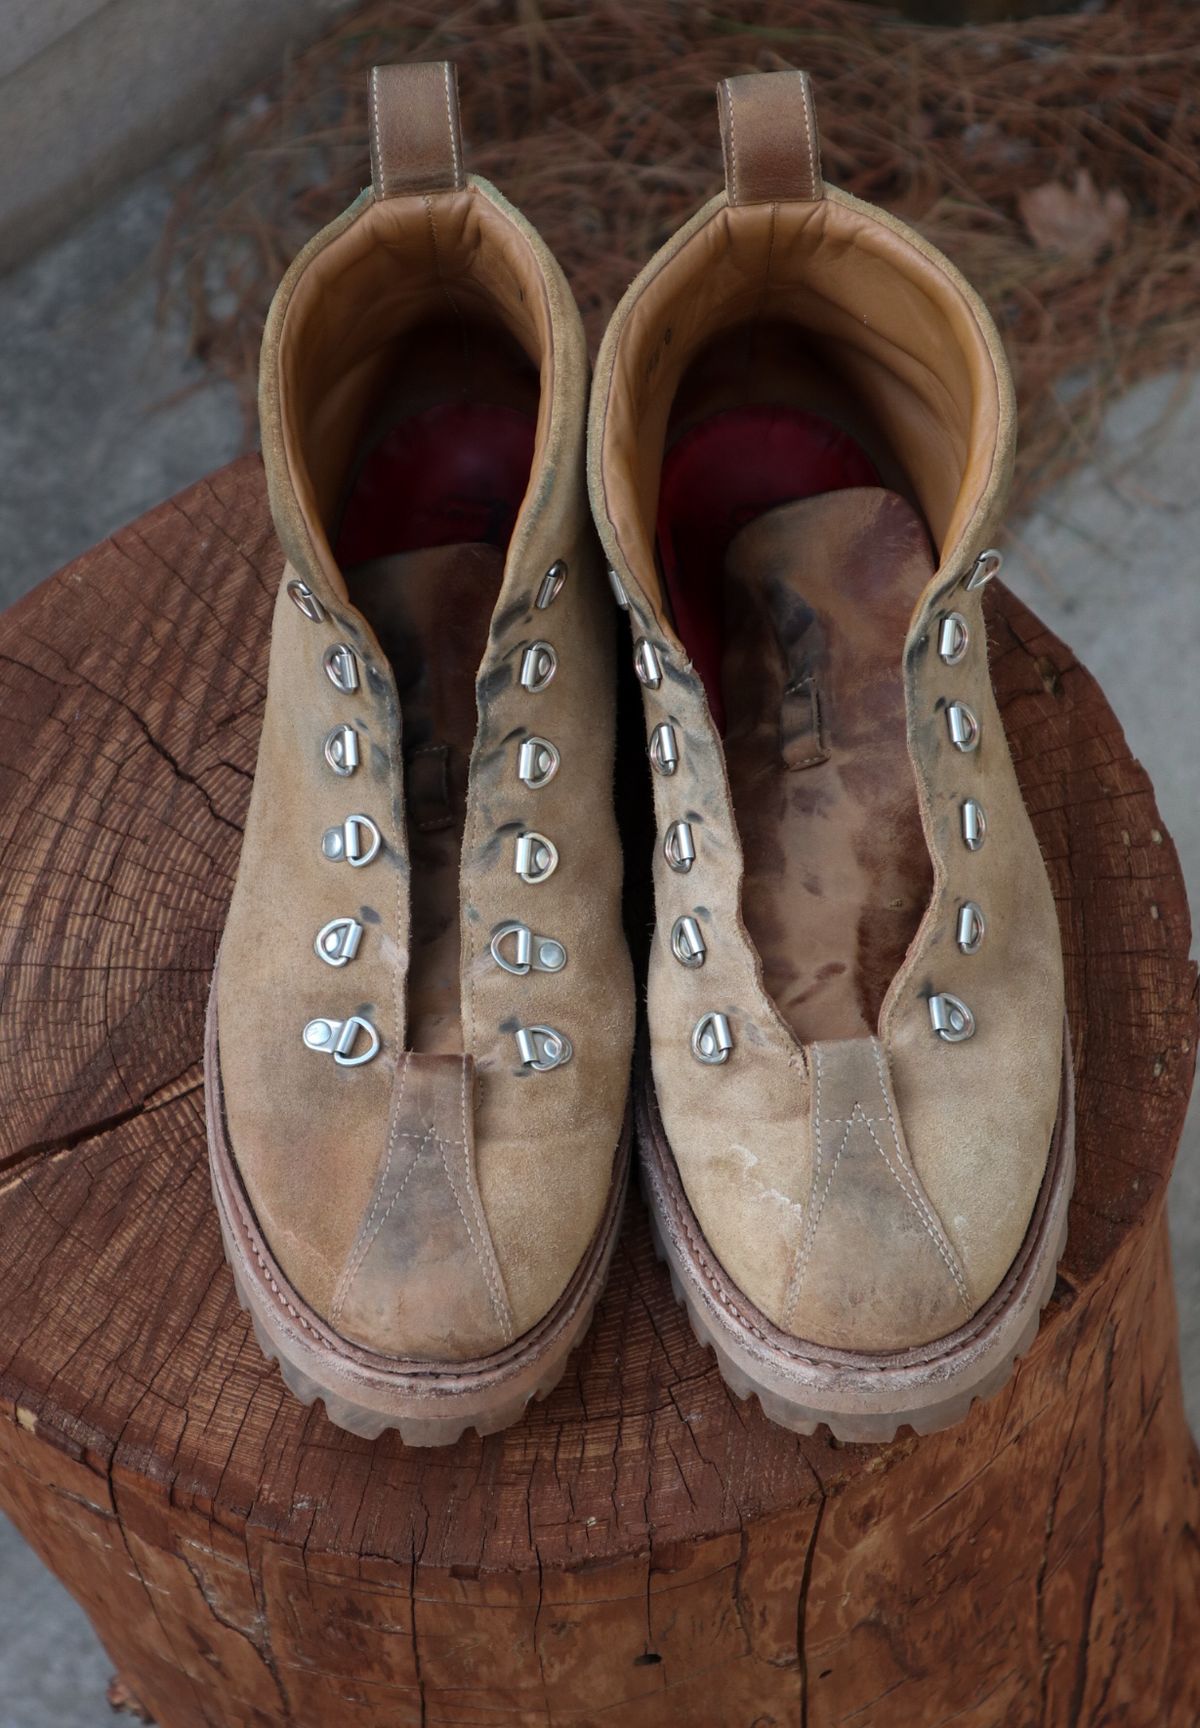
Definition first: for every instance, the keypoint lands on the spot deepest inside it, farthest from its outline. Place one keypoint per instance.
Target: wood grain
(642, 1549)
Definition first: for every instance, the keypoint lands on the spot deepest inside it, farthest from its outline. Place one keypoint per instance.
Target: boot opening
(413, 416)
(807, 419)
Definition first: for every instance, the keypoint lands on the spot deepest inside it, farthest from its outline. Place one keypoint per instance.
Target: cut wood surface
(642, 1549)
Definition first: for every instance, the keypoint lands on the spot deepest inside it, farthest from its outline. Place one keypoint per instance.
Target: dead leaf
(1076, 222)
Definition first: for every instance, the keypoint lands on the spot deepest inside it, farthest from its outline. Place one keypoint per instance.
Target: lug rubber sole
(426, 1403)
(859, 1396)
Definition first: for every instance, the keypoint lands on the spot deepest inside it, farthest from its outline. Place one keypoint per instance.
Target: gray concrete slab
(1111, 561)
(91, 90)
(105, 415)
(53, 1669)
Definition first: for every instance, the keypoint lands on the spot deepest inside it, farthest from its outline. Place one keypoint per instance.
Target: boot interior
(790, 440)
(412, 363)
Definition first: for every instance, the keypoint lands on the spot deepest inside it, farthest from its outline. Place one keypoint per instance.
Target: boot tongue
(841, 571)
(431, 610)
(818, 599)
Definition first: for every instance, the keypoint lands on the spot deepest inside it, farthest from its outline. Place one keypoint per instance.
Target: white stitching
(906, 1181)
(381, 183)
(454, 153)
(797, 1281)
(281, 1298)
(810, 134)
(733, 165)
(364, 1240)
(489, 1272)
(800, 1264)
(915, 1196)
(366, 1246)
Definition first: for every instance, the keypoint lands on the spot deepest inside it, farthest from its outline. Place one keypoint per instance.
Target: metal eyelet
(339, 1037)
(974, 824)
(950, 1018)
(687, 942)
(618, 588)
(542, 1048)
(964, 727)
(341, 751)
(337, 942)
(341, 665)
(647, 663)
(954, 638)
(552, 583)
(712, 1040)
(356, 842)
(987, 565)
(539, 663)
(971, 928)
(302, 596)
(537, 763)
(679, 847)
(530, 952)
(664, 749)
(536, 857)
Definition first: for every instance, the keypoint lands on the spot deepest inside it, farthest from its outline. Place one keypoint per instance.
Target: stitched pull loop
(770, 139)
(416, 141)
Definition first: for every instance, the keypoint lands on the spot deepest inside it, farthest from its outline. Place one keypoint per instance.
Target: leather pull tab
(770, 139)
(416, 141)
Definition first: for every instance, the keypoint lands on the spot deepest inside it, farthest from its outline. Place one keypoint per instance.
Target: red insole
(450, 476)
(722, 474)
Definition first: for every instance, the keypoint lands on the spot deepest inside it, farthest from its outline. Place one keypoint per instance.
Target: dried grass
(600, 123)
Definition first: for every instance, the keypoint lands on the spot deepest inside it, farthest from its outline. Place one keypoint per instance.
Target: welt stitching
(703, 1268)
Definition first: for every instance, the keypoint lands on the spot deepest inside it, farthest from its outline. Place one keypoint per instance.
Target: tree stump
(642, 1549)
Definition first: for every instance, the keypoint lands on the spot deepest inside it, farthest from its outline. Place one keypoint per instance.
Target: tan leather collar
(348, 301)
(880, 305)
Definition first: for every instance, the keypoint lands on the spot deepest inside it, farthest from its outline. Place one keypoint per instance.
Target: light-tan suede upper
(432, 1203)
(866, 1191)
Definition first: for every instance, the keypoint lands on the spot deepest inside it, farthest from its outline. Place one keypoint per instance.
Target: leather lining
(402, 263)
(894, 326)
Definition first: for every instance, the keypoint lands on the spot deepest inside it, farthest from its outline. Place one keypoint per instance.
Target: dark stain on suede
(817, 603)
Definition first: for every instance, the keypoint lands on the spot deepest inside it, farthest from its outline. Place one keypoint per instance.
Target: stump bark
(641, 1549)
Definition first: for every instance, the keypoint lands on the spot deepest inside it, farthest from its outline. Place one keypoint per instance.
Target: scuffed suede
(432, 1204)
(422, 1279)
(881, 1214)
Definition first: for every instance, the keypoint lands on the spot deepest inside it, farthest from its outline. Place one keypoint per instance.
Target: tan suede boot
(855, 1122)
(421, 1024)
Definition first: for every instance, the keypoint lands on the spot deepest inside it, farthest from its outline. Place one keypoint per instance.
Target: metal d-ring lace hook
(520, 950)
(339, 1038)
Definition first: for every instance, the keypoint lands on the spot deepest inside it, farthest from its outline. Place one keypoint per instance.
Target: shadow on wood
(641, 1549)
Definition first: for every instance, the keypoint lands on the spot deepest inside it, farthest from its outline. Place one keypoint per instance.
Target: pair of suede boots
(854, 1108)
